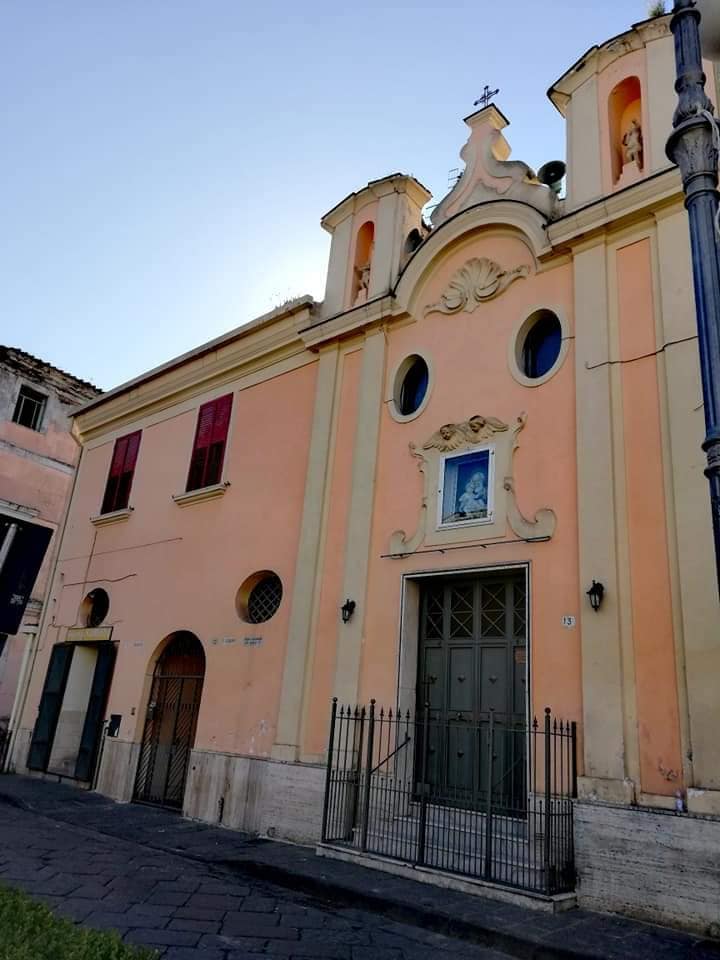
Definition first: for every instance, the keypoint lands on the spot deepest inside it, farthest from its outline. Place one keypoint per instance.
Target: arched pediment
(506, 216)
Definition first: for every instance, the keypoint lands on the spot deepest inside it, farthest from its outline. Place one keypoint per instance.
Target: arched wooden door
(170, 723)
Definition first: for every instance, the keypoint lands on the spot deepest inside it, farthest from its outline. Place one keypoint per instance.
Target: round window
(95, 607)
(259, 597)
(411, 385)
(541, 345)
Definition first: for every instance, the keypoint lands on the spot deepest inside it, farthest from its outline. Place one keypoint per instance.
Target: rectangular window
(122, 468)
(208, 453)
(29, 408)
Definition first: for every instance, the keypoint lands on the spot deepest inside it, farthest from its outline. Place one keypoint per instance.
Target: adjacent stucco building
(404, 493)
(38, 456)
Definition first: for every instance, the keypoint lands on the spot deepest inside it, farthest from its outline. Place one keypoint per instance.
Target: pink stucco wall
(468, 354)
(36, 472)
(174, 568)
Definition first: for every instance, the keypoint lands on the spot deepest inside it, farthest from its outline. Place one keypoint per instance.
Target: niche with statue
(626, 132)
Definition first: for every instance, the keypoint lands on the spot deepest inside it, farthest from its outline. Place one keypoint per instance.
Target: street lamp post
(692, 147)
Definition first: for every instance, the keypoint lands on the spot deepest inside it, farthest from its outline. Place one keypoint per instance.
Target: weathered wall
(266, 797)
(36, 473)
(653, 865)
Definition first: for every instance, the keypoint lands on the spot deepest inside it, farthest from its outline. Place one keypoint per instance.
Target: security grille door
(92, 728)
(473, 641)
(50, 704)
(170, 723)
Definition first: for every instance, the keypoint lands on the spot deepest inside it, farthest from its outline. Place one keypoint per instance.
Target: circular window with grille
(260, 596)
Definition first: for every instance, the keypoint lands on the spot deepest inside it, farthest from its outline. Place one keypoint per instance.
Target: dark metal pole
(692, 148)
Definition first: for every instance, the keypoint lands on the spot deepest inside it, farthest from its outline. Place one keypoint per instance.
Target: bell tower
(373, 233)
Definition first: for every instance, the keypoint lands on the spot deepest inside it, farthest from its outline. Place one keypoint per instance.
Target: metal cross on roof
(486, 96)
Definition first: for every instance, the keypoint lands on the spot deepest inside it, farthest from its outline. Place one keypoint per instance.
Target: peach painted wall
(170, 568)
(468, 355)
(331, 599)
(652, 626)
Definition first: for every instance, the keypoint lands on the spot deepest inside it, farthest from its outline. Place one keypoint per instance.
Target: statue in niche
(363, 276)
(633, 145)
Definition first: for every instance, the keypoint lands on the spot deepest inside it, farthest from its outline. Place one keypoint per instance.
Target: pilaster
(307, 572)
(350, 635)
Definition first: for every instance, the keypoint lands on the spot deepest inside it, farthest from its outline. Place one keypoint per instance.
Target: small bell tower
(373, 233)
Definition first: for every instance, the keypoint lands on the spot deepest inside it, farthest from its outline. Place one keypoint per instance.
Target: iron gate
(397, 786)
(170, 722)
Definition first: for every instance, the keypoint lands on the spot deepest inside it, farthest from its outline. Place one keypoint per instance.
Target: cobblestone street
(194, 891)
(188, 911)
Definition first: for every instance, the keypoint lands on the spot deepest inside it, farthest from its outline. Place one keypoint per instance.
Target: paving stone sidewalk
(197, 892)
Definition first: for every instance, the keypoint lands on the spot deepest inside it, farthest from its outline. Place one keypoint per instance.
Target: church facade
(468, 485)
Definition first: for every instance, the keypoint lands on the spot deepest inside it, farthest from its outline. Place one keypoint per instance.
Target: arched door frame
(170, 722)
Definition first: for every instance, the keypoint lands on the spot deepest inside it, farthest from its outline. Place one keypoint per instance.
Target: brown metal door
(170, 723)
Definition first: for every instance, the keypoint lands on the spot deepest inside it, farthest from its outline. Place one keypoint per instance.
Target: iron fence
(489, 798)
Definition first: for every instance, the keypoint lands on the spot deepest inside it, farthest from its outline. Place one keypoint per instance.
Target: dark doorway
(67, 733)
(170, 723)
(471, 673)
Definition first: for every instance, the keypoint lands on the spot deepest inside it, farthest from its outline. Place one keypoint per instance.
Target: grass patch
(30, 931)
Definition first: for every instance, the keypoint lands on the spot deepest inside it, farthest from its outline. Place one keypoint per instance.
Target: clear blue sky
(165, 163)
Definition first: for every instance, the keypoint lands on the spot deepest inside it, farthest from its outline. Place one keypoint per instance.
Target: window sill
(203, 493)
(115, 516)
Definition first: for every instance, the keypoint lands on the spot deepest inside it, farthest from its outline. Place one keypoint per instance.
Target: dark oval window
(95, 607)
(413, 386)
(259, 597)
(542, 344)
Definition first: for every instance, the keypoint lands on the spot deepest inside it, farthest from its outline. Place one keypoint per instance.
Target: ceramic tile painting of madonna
(466, 488)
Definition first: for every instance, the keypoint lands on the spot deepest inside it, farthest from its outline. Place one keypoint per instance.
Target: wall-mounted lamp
(596, 594)
(347, 610)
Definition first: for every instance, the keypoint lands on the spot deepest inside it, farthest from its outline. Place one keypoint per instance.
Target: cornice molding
(374, 191)
(644, 198)
(350, 322)
(269, 346)
(599, 57)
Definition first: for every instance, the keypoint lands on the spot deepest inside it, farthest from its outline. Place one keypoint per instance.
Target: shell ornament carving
(479, 280)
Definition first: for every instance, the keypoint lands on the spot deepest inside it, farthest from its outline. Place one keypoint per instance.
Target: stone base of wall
(20, 748)
(263, 796)
(118, 764)
(649, 864)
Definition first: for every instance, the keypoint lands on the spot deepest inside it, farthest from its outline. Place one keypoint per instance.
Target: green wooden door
(472, 662)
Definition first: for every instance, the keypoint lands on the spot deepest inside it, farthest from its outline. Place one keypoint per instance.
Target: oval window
(95, 607)
(412, 387)
(542, 344)
(259, 597)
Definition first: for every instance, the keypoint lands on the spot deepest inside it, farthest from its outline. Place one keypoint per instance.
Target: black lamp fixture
(596, 594)
(347, 610)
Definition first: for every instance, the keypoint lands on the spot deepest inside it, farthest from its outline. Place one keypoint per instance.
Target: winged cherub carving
(447, 438)
(478, 429)
(451, 436)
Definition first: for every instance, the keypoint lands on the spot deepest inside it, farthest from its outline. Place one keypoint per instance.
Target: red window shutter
(122, 468)
(133, 445)
(209, 447)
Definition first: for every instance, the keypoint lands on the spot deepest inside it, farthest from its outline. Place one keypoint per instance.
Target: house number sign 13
(568, 621)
